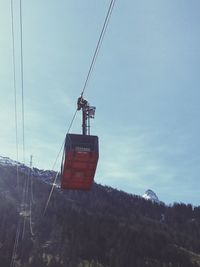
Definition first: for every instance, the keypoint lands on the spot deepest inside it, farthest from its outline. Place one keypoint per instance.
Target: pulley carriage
(81, 153)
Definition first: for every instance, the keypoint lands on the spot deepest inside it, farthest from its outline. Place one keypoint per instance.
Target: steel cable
(98, 46)
(22, 206)
(22, 80)
(56, 176)
(15, 89)
(16, 128)
(104, 28)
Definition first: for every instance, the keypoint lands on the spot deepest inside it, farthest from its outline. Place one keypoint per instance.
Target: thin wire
(23, 127)
(61, 148)
(26, 183)
(55, 179)
(105, 25)
(51, 192)
(31, 198)
(15, 89)
(103, 34)
(16, 131)
(23, 203)
(22, 80)
(108, 15)
(26, 204)
(12, 264)
(112, 3)
(31, 228)
(70, 125)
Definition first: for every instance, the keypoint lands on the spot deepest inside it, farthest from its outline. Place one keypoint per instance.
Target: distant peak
(151, 195)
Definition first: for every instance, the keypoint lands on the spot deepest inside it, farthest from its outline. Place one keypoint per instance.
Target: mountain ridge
(48, 175)
(104, 227)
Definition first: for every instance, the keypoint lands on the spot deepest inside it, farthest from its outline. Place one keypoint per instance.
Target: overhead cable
(22, 80)
(98, 46)
(15, 89)
(104, 28)
(56, 176)
(14, 252)
(18, 230)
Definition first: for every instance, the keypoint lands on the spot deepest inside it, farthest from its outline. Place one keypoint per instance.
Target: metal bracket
(88, 112)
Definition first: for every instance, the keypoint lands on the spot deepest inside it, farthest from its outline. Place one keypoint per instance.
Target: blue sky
(145, 86)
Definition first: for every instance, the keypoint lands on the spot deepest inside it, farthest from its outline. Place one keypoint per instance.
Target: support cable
(22, 206)
(14, 252)
(61, 148)
(51, 192)
(56, 176)
(22, 80)
(26, 210)
(19, 227)
(23, 116)
(31, 223)
(15, 89)
(100, 40)
(31, 198)
(102, 34)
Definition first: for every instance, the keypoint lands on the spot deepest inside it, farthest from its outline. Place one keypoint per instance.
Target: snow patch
(5, 161)
(46, 176)
(150, 195)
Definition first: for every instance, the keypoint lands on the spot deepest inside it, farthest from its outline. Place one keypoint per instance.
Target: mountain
(44, 175)
(150, 195)
(102, 227)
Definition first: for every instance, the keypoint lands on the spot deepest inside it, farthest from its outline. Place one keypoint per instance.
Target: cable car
(81, 153)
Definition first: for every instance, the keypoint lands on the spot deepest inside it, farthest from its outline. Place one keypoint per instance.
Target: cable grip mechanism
(88, 112)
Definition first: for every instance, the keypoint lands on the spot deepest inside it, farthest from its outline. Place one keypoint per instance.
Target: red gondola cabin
(79, 164)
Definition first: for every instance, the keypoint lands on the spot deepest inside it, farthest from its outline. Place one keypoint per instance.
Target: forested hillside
(103, 227)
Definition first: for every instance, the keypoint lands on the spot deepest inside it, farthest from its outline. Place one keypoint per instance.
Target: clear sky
(145, 86)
